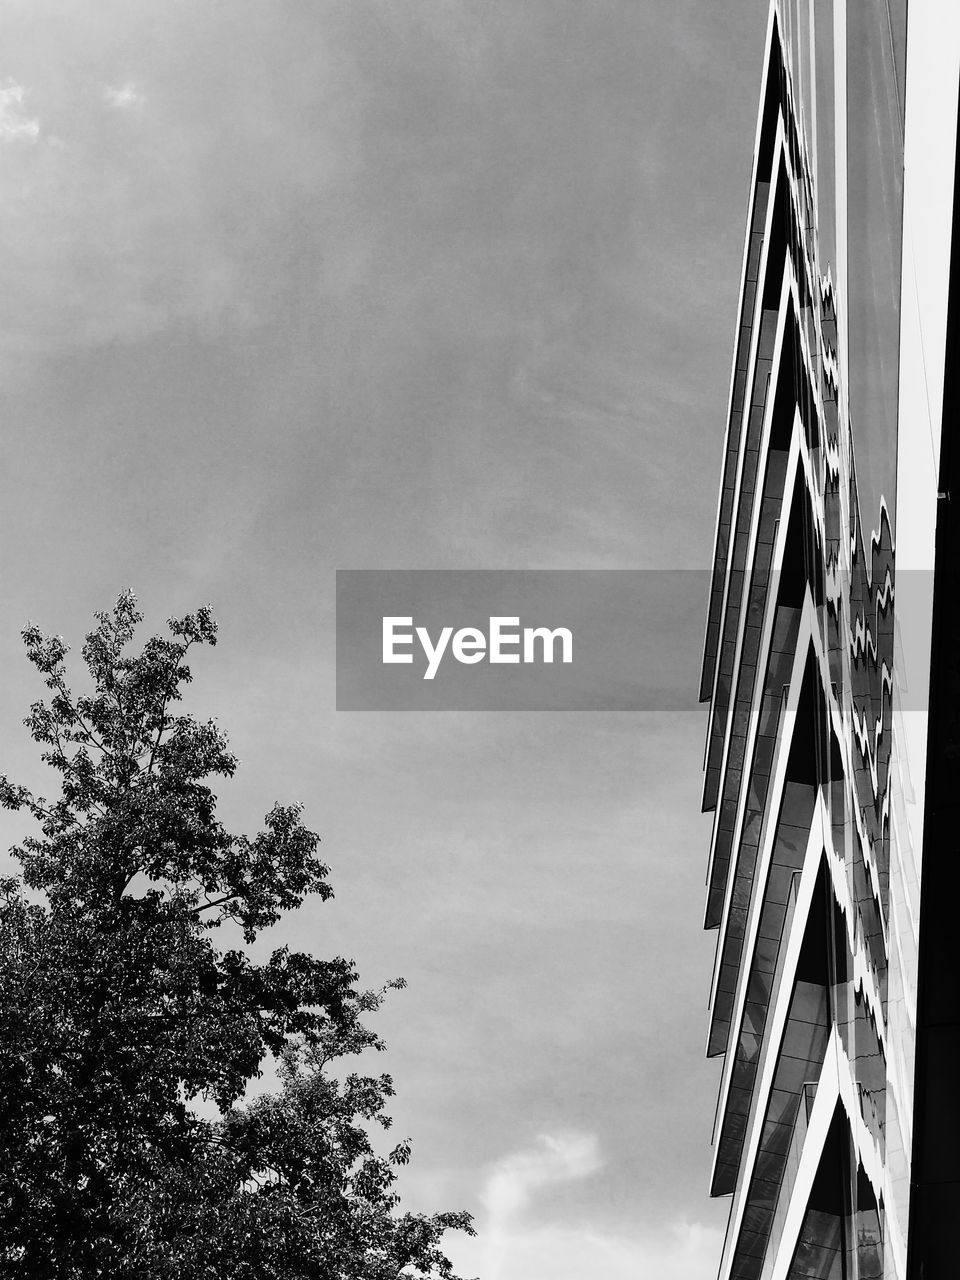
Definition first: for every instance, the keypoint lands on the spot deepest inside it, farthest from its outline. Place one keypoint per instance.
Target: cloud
(513, 1180)
(510, 1245)
(117, 234)
(14, 122)
(676, 1251)
(124, 97)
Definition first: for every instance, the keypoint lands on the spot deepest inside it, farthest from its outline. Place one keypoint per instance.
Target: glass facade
(815, 864)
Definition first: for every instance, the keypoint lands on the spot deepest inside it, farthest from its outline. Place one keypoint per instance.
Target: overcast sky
(293, 285)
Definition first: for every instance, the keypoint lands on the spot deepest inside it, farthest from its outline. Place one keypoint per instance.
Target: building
(832, 665)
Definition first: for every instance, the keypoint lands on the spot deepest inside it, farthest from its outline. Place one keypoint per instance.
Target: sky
(293, 286)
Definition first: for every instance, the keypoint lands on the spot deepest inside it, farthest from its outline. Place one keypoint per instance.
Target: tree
(118, 1010)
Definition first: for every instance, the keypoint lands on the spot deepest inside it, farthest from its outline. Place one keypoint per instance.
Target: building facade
(829, 663)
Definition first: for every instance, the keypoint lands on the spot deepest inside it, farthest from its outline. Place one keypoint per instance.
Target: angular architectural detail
(816, 765)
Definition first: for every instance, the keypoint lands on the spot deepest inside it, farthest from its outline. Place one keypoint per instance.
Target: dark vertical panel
(935, 1170)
